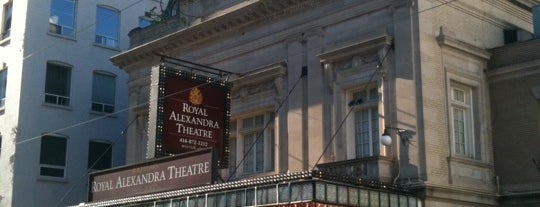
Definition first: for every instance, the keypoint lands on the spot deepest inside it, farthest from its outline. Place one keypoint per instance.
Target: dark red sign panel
(193, 113)
(193, 116)
(172, 173)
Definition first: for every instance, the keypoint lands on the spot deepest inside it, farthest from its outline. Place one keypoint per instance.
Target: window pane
(272, 149)
(361, 94)
(247, 123)
(58, 80)
(373, 94)
(107, 27)
(6, 25)
(375, 130)
(62, 17)
(248, 152)
(53, 151)
(259, 121)
(99, 155)
(366, 126)
(55, 172)
(103, 88)
(458, 95)
(459, 130)
(255, 146)
(3, 85)
(259, 153)
(363, 138)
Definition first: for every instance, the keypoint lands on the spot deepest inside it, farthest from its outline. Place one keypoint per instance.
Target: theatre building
(313, 103)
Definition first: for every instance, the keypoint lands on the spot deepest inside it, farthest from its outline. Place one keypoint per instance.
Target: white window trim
(65, 168)
(239, 136)
(350, 122)
(481, 112)
(62, 26)
(118, 12)
(92, 102)
(478, 104)
(9, 3)
(469, 125)
(70, 69)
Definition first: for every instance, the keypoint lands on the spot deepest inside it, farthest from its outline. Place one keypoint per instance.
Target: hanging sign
(193, 113)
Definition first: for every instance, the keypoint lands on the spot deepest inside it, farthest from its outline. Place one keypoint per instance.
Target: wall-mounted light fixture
(404, 135)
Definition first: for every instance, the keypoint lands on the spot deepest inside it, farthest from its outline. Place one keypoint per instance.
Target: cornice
(446, 40)
(211, 26)
(485, 14)
(514, 71)
(526, 4)
(261, 74)
(373, 41)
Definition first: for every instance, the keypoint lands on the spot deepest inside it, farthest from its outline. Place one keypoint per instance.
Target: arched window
(58, 83)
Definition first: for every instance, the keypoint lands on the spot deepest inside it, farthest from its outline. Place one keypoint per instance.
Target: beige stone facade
(416, 65)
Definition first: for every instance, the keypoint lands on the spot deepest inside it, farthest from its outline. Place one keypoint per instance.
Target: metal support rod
(219, 71)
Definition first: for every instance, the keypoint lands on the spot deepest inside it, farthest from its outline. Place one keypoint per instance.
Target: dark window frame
(53, 156)
(99, 102)
(6, 19)
(99, 158)
(3, 86)
(57, 92)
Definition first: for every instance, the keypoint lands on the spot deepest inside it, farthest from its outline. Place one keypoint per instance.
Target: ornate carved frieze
(264, 81)
(250, 90)
(356, 61)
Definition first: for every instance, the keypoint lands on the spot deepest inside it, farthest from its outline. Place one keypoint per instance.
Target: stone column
(296, 133)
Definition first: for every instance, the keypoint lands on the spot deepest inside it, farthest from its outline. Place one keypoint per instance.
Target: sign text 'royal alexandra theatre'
(171, 173)
(193, 113)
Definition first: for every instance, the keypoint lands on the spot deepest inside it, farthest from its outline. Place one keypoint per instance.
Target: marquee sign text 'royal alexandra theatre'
(171, 173)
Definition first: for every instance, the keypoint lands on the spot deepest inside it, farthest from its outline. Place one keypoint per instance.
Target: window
(52, 158)
(255, 143)
(99, 155)
(462, 124)
(3, 86)
(366, 123)
(103, 92)
(62, 17)
(107, 27)
(57, 84)
(6, 21)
